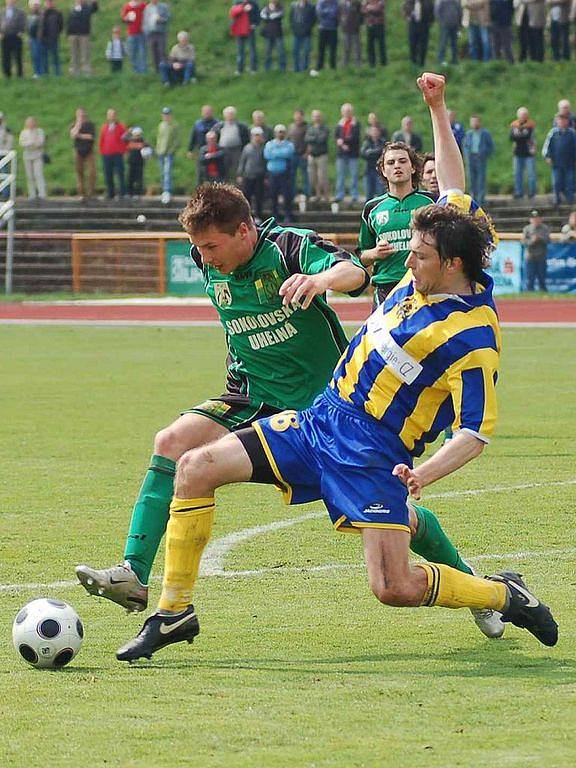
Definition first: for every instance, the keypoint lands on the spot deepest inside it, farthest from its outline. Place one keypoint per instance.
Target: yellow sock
(187, 534)
(453, 589)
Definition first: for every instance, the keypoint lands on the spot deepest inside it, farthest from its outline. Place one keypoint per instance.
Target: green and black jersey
(278, 355)
(388, 218)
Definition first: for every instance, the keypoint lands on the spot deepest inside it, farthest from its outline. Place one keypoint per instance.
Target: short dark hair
(427, 157)
(415, 159)
(457, 234)
(222, 206)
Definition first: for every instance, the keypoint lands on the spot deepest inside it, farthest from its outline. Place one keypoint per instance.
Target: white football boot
(488, 621)
(118, 584)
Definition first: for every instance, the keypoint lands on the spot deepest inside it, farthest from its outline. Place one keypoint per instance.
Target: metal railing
(8, 163)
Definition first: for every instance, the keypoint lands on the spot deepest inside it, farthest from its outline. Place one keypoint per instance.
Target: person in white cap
(279, 154)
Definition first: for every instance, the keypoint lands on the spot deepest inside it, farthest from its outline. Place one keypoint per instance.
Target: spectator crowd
(348, 33)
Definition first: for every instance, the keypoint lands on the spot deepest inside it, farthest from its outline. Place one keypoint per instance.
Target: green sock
(431, 543)
(150, 516)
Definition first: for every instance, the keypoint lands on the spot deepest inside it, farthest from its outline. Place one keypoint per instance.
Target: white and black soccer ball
(47, 633)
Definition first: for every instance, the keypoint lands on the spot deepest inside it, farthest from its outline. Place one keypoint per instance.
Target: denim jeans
(137, 52)
(448, 35)
(373, 184)
(522, 164)
(301, 53)
(346, 166)
(50, 51)
(114, 166)
(165, 162)
(241, 52)
(536, 270)
(281, 184)
(36, 56)
(300, 163)
(479, 42)
(477, 168)
(176, 76)
(278, 44)
(563, 183)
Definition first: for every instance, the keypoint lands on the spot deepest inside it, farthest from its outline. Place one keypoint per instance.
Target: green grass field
(294, 666)
(495, 91)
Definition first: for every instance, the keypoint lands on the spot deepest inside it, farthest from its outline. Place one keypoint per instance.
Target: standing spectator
(327, 16)
(373, 12)
(78, 30)
(112, 149)
(180, 68)
(559, 150)
(116, 50)
(477, 148)
(252, 172)
(32, 141)
(407, 135)
(83, 134)
(154, 26)
(205, 123)
(135, 143)
(521, 17)
(297, 135)
(12, 27)
(535, 239)
(302, 20)
(350, 21)
(533, 17)
(278, 154)
(167, 142)
(448, 14)
(232, 137)
(317, 136)
(371, 150)
(569, 229)
(347, 135)
(559, 13)
(429, 180)
(51, 27)
(272, 15)
(522, 135)
(477, 18)
(211, 160)
(6, 144)
(33, 23)
(133, 16)
(259, 121)
(456, 127)
(244, 18)
(420, 16)
(374, 122)
(565, 109)
(501, 15)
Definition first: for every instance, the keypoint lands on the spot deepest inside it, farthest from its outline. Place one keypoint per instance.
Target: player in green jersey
(268, 284)
(386, 226)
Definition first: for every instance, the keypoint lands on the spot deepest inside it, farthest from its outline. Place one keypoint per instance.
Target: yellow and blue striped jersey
(421, 363)
(468, 205)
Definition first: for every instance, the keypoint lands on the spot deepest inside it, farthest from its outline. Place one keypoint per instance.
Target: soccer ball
(47, 633)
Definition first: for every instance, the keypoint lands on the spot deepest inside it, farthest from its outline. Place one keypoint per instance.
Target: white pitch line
(217, 551)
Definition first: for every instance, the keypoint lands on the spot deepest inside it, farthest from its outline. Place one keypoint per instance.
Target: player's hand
(432, 87)
(299, 290)
(383, 250)
(409, 478)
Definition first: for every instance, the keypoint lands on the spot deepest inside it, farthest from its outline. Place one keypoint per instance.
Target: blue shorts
(332, 452)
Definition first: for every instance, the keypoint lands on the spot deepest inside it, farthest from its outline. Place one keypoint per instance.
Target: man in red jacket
(133, 15)
(112, 149)
(244, 18)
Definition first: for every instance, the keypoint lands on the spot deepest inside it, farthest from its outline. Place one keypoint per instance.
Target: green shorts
(233, 411)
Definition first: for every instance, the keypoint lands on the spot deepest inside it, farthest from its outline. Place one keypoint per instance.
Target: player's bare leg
(397, 583)
(199, 473)
(127, 583)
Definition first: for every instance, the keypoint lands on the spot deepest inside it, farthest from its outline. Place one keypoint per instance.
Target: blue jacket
(327, 13)
(486, 146)
(560, 147)
(278, 155)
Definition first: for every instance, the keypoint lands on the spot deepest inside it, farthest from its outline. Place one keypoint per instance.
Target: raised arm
(449, 163)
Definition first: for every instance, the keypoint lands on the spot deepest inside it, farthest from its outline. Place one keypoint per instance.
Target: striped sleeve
(472, 382)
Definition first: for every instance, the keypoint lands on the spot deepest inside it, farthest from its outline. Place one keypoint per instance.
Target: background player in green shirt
(386, 226)
(268, 284)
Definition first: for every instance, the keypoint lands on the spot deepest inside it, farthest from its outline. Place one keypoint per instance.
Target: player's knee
(168, 442)
(194, 467)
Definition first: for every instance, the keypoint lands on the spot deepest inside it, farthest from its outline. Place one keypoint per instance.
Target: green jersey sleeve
(318, 255)
(367, 238)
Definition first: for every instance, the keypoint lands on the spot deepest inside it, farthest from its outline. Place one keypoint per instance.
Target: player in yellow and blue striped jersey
(426, 358)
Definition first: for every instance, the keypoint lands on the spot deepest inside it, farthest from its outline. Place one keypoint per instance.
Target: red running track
(511, 311)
